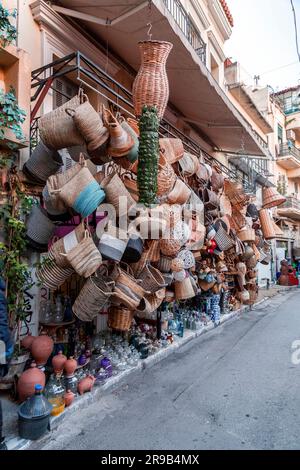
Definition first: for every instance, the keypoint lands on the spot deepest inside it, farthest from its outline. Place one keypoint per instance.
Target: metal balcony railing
(187, 27)
(289, 149)
(291, 203)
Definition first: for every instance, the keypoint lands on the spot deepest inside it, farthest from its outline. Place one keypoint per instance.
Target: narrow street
(235, 388)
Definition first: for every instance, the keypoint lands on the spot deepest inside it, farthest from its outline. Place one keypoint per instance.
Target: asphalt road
(235, 388)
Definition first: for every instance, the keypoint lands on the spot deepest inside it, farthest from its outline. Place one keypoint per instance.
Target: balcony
(195, 96)
(187, 27)
(288, 156)
(293, 119)
(290, 209)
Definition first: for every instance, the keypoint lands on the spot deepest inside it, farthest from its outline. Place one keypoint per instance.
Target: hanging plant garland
(148, 156)
(8, 32)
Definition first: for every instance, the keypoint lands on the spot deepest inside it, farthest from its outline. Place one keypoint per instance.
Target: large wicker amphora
(151, 86)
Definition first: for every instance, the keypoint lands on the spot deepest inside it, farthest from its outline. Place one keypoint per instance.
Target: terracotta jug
(86, 384)
(151, 86)
(27, 341)
(70, 366)
(69, 397)
(58, 362)
(28, 380)
(41, 348)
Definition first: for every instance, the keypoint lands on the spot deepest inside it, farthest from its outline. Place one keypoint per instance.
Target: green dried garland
(148, 156)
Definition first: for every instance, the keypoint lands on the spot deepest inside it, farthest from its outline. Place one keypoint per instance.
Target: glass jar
(46, 311)
(54, 393)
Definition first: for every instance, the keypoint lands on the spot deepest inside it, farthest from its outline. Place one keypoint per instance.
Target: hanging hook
(148, 32)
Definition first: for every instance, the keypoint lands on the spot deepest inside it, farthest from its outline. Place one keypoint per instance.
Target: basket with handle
(184, 289)
(42, 163)
(128, 290)
(166, 177)
(130, 182)
(151, 253)
(180, 193)
(150, 303)
(151, 278)
(57, 129)
(117, 194)
(172, 149)
(189, 164)
(247, 234)
(61, 246)
(217, 179)
(89, 124)
(120, 318)
(84, 257)
(223, 239)
(56, 182)
(50, 275)
(170, 247)
(94, 295)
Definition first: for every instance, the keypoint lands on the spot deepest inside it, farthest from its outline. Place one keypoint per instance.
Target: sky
(263, 41)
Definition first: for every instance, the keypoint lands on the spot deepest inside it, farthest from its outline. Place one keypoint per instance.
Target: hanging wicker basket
(267, 226)
(152, 279)
(171, 149)
(120, 318)
(84, 258)
(272, 198)
(57, 129)
(117, 194)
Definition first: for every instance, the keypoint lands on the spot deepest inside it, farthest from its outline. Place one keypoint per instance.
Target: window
(296, 188)
(279, 134)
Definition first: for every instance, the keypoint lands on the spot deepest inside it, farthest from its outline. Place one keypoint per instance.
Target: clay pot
(41, 349)
(27, 341)
(28, 380)
(58, 362)
(69, 397)
(86, 384)
(70, 366)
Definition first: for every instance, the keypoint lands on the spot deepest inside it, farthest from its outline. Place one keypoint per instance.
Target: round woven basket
(43, 162)
(52, 276)
(120, 318)
(166, 177)
(169, 247)
(246, 235)
(151, 86)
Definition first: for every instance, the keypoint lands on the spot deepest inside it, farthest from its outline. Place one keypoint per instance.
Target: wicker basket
(184, 289)
(152, 279)
(57, 129)
(120, 318)
(267, 226)
(94, 295)
(180, 193)
(151, 86)
(89, 124)
(130, 182)
(128, 290)
(169, 247)
(42, 163)
(189, 164)
(187, 257)
(121, 142)
(272, 198)
(172, 149)
(151, 253)
(223, 239)
(166, 177)
(56, 182)
(52, 276)
(84, 258)
(175, 264)
(247, 235)
(63, 245)
(235, 193)
(117, 194)
(217, 179)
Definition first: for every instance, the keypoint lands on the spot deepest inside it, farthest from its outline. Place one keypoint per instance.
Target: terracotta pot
(27, 341)
(28, 380)
(70, 366)
(58, 362)
(86, 384)
(41, 349)
(69, 397)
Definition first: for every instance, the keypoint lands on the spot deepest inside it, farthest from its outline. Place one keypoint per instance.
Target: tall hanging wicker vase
(151, 86)
(266, 224)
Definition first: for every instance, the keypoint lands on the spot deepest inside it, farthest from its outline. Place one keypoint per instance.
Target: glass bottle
(68, 314)
(59, 313)
(46, 311)
(54, 393)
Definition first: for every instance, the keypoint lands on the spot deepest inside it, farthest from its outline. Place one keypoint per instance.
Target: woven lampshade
(272, 198)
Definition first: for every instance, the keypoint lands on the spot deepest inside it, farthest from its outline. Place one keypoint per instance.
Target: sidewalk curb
(114, 382)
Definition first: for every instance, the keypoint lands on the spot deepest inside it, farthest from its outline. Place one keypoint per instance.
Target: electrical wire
(296, 32)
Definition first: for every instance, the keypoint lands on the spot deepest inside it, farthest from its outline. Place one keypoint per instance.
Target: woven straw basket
(172, 149)
(117, 194)
(57, 129)
(94, 295)
(180, 193)
(271, 198)
(166, 177)
(246, 235)
(184, 289)
(52, 276)
(152, 279)
(120, 318)
(84, 258)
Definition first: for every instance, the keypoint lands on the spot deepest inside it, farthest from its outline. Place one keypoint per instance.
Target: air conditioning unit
(290, 135)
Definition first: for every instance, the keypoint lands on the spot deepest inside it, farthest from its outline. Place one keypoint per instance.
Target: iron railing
(94, 77)
(188, 28)
(291, 203)
(289, 149)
